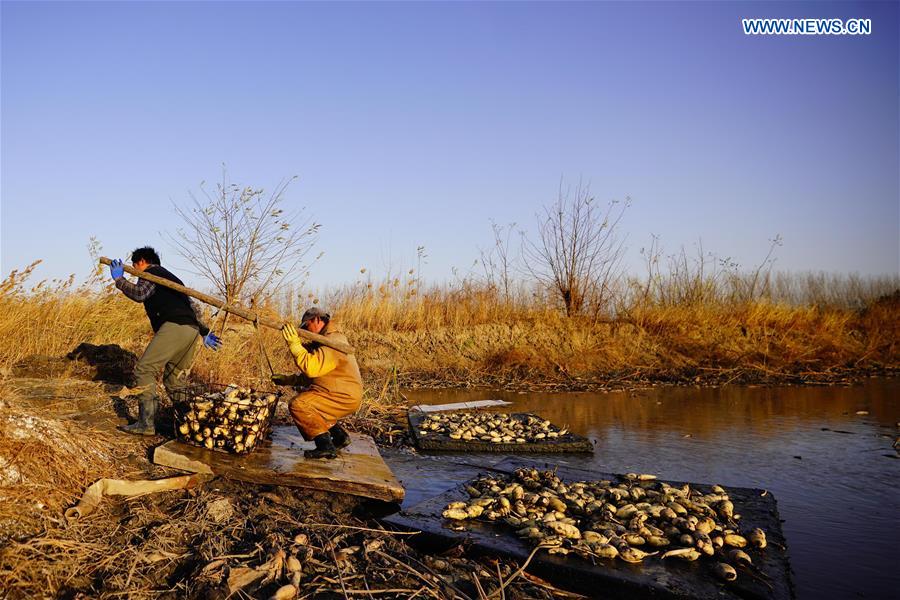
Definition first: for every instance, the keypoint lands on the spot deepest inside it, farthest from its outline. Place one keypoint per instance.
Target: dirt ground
(222, 539)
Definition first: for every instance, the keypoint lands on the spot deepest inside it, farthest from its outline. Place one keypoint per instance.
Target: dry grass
(198, 544)
(46, 463)
(47, 317)
(676, 328)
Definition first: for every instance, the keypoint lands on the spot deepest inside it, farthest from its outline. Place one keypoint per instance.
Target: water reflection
(833, 471)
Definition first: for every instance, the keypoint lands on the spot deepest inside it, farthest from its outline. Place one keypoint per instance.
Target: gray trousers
(170, 352)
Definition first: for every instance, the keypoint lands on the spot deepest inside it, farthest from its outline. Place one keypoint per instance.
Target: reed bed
(675, 327)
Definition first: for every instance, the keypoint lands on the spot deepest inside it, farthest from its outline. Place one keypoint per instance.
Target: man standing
(335, 389)
(176, 324)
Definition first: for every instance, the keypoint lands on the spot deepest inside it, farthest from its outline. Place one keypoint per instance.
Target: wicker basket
(224, 418)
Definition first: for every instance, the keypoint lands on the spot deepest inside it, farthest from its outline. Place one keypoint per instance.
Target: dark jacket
(165, 304)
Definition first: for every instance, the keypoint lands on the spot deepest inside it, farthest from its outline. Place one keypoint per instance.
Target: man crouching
(335, 390)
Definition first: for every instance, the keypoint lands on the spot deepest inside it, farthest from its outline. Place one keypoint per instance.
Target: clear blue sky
(414, 124)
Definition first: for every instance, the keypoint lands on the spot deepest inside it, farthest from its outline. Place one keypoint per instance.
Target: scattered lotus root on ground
(632, 518)
(499, 428)
(232, 420)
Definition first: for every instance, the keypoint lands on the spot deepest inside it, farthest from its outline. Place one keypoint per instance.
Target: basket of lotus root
(226, 418)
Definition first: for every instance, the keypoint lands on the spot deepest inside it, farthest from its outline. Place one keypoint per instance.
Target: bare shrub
(578, 250)
(497, 262)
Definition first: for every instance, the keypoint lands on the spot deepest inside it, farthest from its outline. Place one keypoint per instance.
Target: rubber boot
(339, 437)
(145, 425)
(324, 447)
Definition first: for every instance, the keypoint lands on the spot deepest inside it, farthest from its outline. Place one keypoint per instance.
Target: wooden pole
(236, 310)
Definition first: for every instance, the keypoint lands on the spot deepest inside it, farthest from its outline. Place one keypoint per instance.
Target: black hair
(146, 253)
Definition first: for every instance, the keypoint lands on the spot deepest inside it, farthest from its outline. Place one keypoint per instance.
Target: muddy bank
(637, 380)
(229, 538)
(219, 540)
(113, 364)
(685, 345)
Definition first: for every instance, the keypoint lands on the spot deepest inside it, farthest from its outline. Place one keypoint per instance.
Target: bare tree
(578, 250)
(242, 241)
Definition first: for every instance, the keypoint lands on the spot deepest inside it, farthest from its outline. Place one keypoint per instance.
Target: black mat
(654, 578)
(434, 441)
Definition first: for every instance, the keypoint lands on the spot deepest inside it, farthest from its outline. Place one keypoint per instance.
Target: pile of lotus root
(233, 420)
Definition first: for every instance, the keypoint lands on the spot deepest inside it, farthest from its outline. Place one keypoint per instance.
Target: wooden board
(358, 470)
(569, 442)
(431, 408)
(653, 578)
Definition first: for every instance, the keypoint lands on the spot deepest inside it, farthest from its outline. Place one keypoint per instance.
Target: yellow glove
(294, 341)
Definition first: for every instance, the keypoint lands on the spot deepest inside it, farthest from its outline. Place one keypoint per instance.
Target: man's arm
(199, 316)
(314, 364)
(139, 291)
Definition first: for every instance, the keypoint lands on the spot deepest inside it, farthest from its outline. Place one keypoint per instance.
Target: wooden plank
(570, 442)
(358, 470)
(233, 308)
(431, 408)
(654, 578)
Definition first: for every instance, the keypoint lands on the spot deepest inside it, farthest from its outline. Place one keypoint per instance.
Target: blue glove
(212, 341)
(116, 269)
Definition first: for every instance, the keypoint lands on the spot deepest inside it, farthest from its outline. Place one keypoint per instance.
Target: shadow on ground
(109, 363)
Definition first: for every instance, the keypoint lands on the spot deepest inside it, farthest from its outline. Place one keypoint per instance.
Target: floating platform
(613, 578)
(431, 408)
(433, 441)
(358, 469)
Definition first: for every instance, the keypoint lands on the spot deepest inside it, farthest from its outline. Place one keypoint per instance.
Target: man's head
(144, 257)
(314, 320)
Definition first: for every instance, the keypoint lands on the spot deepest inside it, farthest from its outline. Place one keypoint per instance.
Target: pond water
(833, 472)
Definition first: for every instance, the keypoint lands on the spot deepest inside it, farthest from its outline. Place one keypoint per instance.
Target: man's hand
(294, 342)
(212, 341)
(282, 379)
(116, 269)
(294, 380)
